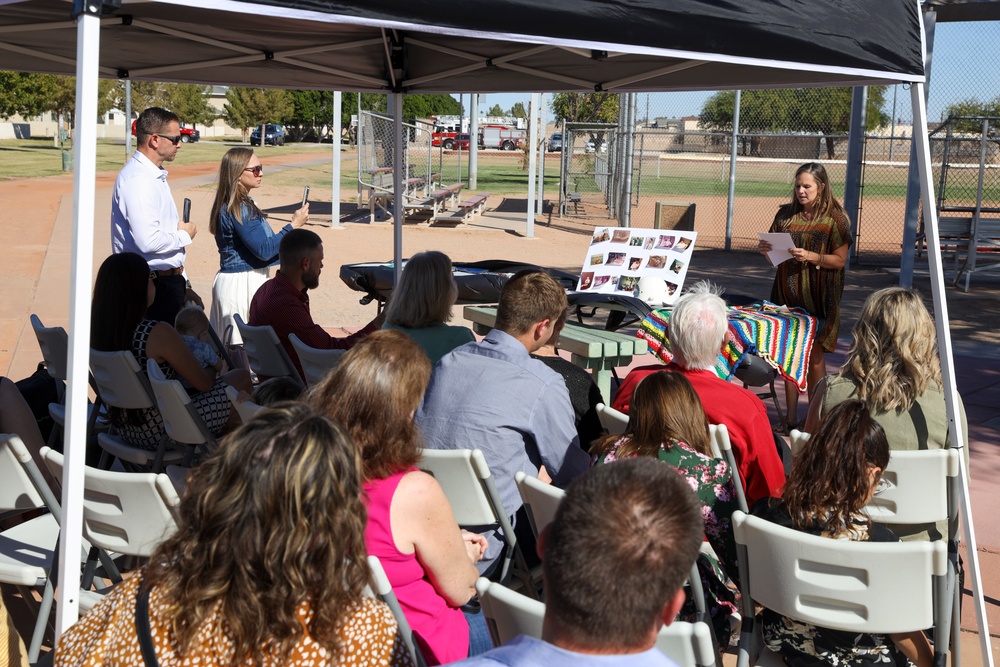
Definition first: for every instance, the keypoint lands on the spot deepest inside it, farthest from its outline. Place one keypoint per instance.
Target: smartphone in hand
(305, 196)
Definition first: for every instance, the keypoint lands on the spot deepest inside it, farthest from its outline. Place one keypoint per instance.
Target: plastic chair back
(120, 380)
(245, 409)
(54, 344)
(914, 487)
(383, 591)
(720, 439)
(315, 363)
(540, 500)
(267, 356)
(797, 440)
(613, 421)
(180, 419)
(461, 473)
(17, 490)
(125, 512)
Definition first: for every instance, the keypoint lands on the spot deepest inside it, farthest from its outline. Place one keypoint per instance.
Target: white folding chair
(797, 440)
(720, 440)
(265, 352)
(613, 421)
(315, 363)
(54, 345)
(245, 409)
(123, 385)
(509, 614)
(383, 592)
(128, 513)
(920, 487)
(466, 481)
(180, 418)
(882, 587)
(28, 550)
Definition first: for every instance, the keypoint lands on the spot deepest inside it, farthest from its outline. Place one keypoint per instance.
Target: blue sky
(966, 64)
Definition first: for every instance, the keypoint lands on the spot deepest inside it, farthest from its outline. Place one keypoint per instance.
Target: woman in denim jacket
(248, 246)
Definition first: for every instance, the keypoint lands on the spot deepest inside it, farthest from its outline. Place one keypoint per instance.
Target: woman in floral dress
(833, 478)
(667, 421)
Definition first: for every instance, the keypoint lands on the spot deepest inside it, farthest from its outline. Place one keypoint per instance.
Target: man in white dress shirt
(144, 216)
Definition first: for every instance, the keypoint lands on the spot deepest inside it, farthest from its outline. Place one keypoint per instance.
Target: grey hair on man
(698, 326)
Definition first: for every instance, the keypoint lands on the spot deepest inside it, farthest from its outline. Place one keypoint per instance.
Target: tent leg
(955, 426)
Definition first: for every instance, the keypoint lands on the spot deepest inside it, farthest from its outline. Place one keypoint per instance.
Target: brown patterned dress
(801, 284)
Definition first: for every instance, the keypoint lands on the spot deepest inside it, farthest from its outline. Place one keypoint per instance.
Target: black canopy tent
(408, 46)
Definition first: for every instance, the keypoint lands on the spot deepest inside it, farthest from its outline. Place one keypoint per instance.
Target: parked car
(555, 142)
(188, 134)
(590, 148)
(273, 134)
(462, 142)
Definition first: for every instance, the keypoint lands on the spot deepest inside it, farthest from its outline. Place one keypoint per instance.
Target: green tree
(825, 111)
(311, 115)
(495, 110)
(518, 110)
(974, 108)
(190, 102)
(24, 93)
(425, 106)
(587, 108)
(249, 107)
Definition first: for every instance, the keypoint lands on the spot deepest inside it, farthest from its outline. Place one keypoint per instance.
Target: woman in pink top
(430, 562)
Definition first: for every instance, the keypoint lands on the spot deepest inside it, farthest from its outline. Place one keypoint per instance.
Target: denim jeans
(479, 634)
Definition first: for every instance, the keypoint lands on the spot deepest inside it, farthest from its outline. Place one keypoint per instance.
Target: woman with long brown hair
(832, 480)
(812, 277)
(373, 392)
(267, 566)
(667, 421)
(248, 247)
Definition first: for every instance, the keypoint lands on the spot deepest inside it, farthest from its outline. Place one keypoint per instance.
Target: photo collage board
(619, 257)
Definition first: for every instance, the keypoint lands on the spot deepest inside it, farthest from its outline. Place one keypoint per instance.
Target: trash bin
(67, 160)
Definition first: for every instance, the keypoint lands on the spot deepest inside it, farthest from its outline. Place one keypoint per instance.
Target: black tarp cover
(459, 46)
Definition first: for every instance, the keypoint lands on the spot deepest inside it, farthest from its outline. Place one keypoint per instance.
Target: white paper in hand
(781, 243)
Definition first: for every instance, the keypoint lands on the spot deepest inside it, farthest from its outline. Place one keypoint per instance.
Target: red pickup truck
(187, 134)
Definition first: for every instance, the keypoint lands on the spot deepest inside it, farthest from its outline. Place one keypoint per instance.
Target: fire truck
(501, 136)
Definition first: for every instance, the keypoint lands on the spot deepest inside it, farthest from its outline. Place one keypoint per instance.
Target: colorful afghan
(782, 338)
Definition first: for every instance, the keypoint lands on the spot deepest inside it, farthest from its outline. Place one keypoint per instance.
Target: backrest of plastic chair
(717, 433)
(540, 500)
(852, 586)
(612, 421)
(720, 438)
(914, 487)
(181, 423)
(17, 491)
(125, 512)
(455, 471)
(264, 350)
(508, 613)
(797, 440)
(687, 643)
(119, 379)
(54, 344)
(245, 409)
(315, 363)
(383, 591)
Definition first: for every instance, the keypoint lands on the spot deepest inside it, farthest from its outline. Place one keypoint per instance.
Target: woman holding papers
(813, 276)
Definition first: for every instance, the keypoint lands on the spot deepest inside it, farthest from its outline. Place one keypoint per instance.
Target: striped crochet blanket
(780, 337)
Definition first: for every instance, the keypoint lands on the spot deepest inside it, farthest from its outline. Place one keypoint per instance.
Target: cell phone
(187, 210)
(305, 196)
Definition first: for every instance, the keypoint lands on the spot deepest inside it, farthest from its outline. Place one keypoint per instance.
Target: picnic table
(597, 350)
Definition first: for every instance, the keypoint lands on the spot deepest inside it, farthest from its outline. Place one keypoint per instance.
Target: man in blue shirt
(614, 559)
(493, 396)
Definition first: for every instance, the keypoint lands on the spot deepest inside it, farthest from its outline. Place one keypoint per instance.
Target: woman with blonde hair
(373, 392)
(420, 305)
(832, 479)
(893, 367)
(267, 566)
(667, 421)
(248, 247)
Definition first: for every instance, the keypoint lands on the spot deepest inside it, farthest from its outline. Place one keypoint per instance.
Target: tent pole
(955, 426)
(855, 144)
(128, 119)
(398, 211)
(474, 141)
(733, 152)
(336, 131)
(529, 231)
(88, 17)
(542, 121)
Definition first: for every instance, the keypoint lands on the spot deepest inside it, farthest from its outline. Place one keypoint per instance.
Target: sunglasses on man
(172, 138)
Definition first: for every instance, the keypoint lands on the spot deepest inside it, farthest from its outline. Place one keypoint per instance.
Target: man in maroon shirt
(283, 302)
(697, 329)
